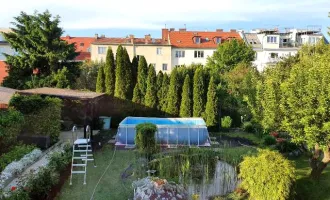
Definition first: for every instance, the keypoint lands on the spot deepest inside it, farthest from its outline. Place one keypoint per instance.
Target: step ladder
(82, 152)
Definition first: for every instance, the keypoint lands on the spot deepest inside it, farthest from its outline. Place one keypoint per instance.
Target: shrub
(269, 140)
(42, 115)
(145, 139)
(16, 153)
(286, 146)
(226, 122)
(60, 160)
(267, 176)
(10, 126)
(248, 127)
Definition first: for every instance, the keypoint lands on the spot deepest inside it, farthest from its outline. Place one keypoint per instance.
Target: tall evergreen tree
(199, 93)
(137, 96)
(142, 76)
(164, 91)
(151, 93)
(211, 110)
(37, 40)
(123, 86)
(186, 101)
(110, 73)
(160, 76)
(173, 101)
(135, 64)
(100, 87)
(129, 76)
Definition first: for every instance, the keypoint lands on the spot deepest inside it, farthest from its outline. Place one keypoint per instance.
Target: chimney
(182, 29)
(67, 37)
(233, 30)
(102, 36)
(164, 34)
(132, 38)
(172, 29)
(219, 30)
(96, 36)
(147, 38)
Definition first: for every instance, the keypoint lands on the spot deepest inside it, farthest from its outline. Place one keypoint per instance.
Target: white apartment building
(271, 45)
(175, 48)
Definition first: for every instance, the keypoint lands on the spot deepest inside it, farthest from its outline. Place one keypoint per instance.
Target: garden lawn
(307, 189)
(111, 185)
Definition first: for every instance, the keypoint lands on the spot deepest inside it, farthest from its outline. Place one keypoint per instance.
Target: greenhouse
(171, 131)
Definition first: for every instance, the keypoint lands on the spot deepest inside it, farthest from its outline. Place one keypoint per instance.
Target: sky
(119, 18)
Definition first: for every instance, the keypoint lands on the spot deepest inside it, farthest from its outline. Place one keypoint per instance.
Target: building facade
(272, 45)
(83, 46)
(156, 51)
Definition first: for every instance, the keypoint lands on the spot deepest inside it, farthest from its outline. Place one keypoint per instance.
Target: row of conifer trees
(186, 92)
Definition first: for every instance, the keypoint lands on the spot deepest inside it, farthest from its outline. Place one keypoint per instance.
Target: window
(285, 40)
(82, 44)
(159, 51)
(197, 40)
(271, 39)
(179, 54)
(164, 67)
(101, 50)
(274, 55)
(199, 54)
(88, 49)
(218, 40)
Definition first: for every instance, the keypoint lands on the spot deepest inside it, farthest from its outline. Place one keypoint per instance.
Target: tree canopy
(229, 54)
(37, 40)
(110, 72)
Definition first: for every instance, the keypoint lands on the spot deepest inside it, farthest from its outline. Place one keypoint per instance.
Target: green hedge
(16, 153)
(10, 126)
(42, 115)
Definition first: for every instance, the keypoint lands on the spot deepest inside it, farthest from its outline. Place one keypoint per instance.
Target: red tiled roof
(185, 39)
(151, 41)
(82, 43)
(3, 71)
(83, 56)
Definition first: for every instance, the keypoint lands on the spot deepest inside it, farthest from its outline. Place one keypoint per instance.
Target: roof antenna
(185, 26)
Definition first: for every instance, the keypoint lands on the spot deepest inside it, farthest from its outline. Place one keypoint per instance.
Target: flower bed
(17, 167)
(16, 153)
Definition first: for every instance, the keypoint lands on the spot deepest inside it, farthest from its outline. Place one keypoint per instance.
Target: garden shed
(80, 107)
(5, 96)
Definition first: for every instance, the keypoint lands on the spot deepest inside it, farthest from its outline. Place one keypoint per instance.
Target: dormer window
(81, 44)
(218, 40)
(197, 40)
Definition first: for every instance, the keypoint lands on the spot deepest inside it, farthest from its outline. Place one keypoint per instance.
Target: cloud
(150, 14)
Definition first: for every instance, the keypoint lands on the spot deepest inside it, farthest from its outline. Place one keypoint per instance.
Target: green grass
(308, 189)
(111, 186)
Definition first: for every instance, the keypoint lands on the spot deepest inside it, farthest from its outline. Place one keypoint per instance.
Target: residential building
(156, 51)
(272, 45)
(83, 46)
(195, 46)
(5, 48)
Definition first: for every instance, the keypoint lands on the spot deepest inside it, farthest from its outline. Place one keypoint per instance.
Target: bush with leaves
(88, 76)
(11, 122)
(145, 139)
(267, 176)
(226, 122)
(42, 115)
(269, 140)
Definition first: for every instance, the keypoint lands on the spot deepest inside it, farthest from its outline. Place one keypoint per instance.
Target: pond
(224, 181)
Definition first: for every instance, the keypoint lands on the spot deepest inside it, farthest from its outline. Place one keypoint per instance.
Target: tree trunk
(318, 166)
